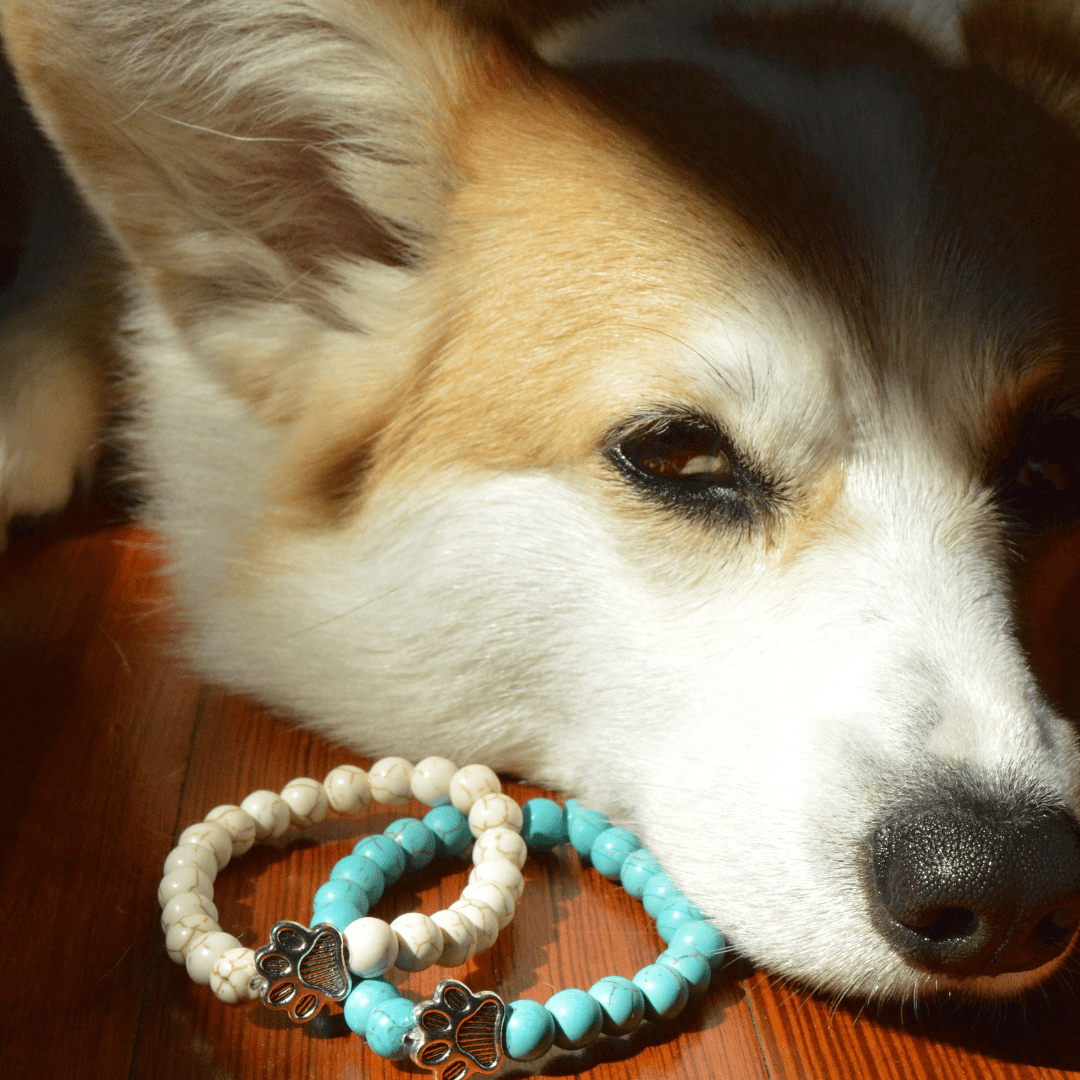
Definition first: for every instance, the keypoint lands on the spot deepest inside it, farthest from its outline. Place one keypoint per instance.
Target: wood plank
(112, 749)
(97, 735)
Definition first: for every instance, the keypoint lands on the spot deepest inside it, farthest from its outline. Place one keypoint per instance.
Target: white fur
(749, 711)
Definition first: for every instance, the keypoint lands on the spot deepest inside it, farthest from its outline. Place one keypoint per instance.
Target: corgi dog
(647, 401)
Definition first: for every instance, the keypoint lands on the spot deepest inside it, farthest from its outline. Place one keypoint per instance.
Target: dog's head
(652, 411)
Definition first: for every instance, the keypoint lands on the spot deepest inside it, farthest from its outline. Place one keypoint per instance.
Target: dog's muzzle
(965, 887)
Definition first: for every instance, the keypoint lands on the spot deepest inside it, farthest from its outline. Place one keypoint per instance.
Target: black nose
(976, 888)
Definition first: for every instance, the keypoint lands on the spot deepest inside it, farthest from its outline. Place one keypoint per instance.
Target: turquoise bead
(363, 997)
(584, 826)
(529, 1031)
(610, 849)
(691, 965)
(362, 872)
(387, 1025)
(415, 839)
(704, 937)
(338, 914)
(666, 991)
(639, 867)
(342, 890)
(385, 854)
(451, 829)
(678, 913)
(543, 824)
(578, 1018)
(658, 894)
(621, 1002)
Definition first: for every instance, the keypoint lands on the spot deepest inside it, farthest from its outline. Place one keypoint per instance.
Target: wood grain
(111, 748)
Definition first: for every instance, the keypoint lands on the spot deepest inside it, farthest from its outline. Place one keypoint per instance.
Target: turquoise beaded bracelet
(457, 1033)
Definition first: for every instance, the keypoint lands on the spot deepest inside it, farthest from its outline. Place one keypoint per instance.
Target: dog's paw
(51, 404)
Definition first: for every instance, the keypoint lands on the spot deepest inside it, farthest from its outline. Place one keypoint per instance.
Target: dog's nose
(976, 889)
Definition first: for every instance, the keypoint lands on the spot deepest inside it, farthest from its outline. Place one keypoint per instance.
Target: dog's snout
(976, 888)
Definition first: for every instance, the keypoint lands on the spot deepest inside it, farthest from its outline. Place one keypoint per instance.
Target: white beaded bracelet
(412, 942)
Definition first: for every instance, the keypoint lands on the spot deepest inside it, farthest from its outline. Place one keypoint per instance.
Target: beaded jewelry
(457, 1032)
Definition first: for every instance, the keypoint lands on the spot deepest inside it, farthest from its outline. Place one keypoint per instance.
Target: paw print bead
(348, 789)
(420, 941)
(238, 823)
(494, 812)
(184, 931)
(231, 975)
(390, 780)
(212, 836)
(500, 843)
(270, 813)
(307, 801)
(430, 781)
(471, 783)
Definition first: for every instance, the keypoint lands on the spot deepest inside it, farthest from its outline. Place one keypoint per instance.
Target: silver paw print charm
(302, 969)
(457, 1032)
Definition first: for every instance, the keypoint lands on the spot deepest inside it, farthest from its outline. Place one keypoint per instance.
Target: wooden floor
(111, 748)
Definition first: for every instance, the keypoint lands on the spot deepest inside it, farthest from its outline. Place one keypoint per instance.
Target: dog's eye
(1041, 482)
(682, 454)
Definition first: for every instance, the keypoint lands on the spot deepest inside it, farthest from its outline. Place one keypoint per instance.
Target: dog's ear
(246, 154)
(274, 171)
(1034, 44)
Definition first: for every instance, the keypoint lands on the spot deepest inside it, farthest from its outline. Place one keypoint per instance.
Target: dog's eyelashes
(689, 467)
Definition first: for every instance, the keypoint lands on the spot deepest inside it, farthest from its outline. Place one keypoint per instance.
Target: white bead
(420, 941)
(500, 843)
(459, 937)
(469, 784)
(307, 801)
(390, 781)
(372, 947)
(431, 780)
(189, 878)
(238, 823)
(483, 918)
(497, 897)
(204, 950)
(188, 903)
(271, 814)
(231, 975)
(348, 789)
(494, 812)
(501, 871)
(192, 854)
(212, 836)
(182, 932)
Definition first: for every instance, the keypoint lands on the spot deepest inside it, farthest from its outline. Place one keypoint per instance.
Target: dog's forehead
(926, 207)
